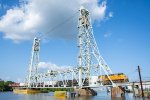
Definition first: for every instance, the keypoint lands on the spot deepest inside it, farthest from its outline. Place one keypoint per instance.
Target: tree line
(4, 85)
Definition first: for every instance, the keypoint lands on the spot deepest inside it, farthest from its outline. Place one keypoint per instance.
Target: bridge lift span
(90, 62)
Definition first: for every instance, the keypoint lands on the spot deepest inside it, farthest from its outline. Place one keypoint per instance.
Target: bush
(4, 86)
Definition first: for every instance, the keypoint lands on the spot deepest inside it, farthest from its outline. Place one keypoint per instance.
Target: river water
(50, 96)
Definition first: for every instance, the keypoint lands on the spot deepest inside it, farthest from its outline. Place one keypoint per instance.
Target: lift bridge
(90, 62)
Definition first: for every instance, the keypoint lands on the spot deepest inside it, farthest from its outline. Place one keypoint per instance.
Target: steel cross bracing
(90, 62)
(53, 78)
(33, 65)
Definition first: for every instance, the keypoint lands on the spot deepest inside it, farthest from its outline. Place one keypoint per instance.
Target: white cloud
(108, 34)
(32, 16)
(110, 14)
(51, 66)
(3, 6)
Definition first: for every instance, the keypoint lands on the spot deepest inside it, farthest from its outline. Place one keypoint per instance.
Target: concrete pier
(86, 92)
(117, 92)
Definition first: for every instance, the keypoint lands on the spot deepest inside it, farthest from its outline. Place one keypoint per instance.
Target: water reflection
(50, 96)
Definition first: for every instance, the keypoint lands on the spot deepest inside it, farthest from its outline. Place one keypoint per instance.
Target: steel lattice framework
(33, 65)
(90, 62)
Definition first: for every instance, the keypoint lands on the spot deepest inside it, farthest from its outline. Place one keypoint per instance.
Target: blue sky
(123, 40)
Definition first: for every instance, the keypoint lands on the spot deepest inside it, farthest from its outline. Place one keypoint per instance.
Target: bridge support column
(86, 92)
(117, 92)
(136, 92)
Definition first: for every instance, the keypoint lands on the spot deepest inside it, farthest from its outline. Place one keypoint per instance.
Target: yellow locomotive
(116, 78)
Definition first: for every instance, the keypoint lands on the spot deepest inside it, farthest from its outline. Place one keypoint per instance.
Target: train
(116, 78)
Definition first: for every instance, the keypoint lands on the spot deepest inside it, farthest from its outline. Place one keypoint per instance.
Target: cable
(132, 75)
(60, 24)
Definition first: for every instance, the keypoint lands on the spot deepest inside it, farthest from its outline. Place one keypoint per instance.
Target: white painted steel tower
(90, 62)
(34, 60)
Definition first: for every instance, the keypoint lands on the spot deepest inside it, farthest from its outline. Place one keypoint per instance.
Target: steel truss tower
(33, 65)
(90, 62)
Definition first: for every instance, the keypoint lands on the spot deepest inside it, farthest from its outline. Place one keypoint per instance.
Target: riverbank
(4, 86)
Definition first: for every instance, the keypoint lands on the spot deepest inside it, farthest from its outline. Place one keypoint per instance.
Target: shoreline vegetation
(4, 86)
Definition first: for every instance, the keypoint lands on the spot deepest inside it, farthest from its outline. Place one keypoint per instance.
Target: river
(50, 96)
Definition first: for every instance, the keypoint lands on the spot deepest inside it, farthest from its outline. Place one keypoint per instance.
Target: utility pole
(139, 71)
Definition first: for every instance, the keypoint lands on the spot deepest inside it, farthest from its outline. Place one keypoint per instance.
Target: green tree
(4, 86)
